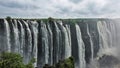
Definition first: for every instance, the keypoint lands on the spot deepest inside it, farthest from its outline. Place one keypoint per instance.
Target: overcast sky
(60, 8)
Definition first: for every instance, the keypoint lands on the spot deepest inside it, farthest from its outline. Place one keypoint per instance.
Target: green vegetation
(67, 63)
(8, 18)
(13, 60)
(73, 21)
(50, 19)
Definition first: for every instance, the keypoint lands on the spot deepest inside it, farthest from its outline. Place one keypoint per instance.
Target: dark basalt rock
(108, 61)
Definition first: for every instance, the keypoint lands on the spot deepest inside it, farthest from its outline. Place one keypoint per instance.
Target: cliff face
(54, 40)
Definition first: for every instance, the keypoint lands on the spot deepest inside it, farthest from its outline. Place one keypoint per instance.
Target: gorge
(89, 41)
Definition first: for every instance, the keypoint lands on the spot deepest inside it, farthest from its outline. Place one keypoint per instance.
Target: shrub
(50, 19)
(8, 18)
(67, 63)
(13, 60)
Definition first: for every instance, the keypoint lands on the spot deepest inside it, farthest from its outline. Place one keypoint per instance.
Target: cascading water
(45, 43)
(106, 37)
(50, 35)
(22, 38)
(7, 46)
(68, 42)
(88, 41)
(35, 35)
(57, 43)
(16, 37)
(81, 49)
(67, 39)
(28, 41)
(91, 43)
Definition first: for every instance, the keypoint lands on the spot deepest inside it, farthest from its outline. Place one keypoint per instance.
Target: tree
(50, 19)
(13, 60)
(67, 63)
(30, 64)
(8, 18)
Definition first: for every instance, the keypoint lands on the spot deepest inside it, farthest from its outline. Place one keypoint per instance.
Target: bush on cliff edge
(13, 60)
(67, 63)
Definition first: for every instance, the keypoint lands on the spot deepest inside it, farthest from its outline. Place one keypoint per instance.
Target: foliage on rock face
(73, 21)
(67, 63)
(30, 64)
(50, 19)
(13, 60)
(8, 18)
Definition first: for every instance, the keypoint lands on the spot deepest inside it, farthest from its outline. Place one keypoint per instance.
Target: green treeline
(13, 60)
(67, 63)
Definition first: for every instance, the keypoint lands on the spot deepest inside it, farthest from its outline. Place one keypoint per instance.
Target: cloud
(59, 8)
(75, 1)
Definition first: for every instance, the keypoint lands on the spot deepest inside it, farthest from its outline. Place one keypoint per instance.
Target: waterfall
(35, 37)
(50, 35)
(16, 37)
(50, 42)
(22, 38)
(57, 43)
(68, 42)
(105, 37)
(45, 47)
(91, 43)
(7, 46)
(67, 39)
(81, 48)
(28, 43)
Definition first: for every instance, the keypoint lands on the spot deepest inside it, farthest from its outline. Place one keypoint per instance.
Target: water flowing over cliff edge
(89, 41)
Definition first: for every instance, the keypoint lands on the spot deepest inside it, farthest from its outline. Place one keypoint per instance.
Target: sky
(60, 8)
